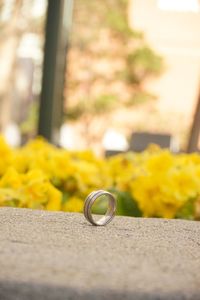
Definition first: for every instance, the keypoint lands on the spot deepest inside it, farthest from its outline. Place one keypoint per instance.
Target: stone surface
(55, 255)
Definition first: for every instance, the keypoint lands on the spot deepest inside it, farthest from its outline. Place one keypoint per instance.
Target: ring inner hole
(100, 207)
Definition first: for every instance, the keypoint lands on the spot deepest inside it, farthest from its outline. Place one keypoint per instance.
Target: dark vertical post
(195, 130)
(58, 22)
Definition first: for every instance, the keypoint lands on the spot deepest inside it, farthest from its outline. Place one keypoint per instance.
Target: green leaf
(65, 197)
(187, 211)
(126, 205)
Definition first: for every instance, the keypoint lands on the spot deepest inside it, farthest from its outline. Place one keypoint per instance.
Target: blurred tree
(108, 62)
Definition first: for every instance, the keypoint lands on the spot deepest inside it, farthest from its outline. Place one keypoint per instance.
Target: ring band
(110, 213)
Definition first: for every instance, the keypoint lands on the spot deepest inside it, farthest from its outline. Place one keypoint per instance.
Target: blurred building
(172, 27)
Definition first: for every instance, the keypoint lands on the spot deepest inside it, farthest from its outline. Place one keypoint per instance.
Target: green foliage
(119, 24)
(104, 103)
(126, 205)
(143, 62)
(139, 97)
(187, 211)
(116, 20)
(75, 112)
(28, 126)
(98, 106)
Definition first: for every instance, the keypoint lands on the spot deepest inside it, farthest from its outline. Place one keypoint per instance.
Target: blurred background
(106, 75)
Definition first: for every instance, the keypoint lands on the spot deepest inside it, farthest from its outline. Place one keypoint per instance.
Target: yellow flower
(11, 179)
(38, 192)
(6, 156)
(162, 161)
(122, 170)
(54, 198)
(9, 197)
(38, 174)
(74, 204)
(62, 165)
(146, 191)
(166, 185)
(88, 176)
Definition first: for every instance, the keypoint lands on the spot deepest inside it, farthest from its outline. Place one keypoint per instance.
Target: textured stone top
(56, 255)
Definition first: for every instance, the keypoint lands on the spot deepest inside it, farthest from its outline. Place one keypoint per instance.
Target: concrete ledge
(46, 255)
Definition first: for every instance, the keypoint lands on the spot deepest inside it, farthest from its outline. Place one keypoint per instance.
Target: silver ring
(110, 213)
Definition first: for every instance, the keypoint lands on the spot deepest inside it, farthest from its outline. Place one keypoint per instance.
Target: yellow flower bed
(154, 183)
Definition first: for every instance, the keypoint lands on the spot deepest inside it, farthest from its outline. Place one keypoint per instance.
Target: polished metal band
(110, 213)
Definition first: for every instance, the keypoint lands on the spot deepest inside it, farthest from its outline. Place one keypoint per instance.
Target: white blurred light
(179, 5)
(39, 8)
(67, 137)
(30, 47)
(114, 140)
(12, 135)
(6, 11)
(174, 144)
